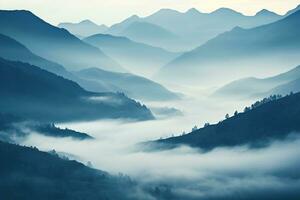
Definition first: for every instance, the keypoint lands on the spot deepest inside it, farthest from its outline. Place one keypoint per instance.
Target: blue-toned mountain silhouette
(240, 52)
(134, 86)
(53, 43)
(193, 28)
(268, 120)
(255, 87)
(106, 82)
(136, 57)
(84, 28)
(32, 93)
(11, 49)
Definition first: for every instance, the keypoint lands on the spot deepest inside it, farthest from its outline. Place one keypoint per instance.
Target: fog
(189, 172)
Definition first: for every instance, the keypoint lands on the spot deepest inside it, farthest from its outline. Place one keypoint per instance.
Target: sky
(112, 11)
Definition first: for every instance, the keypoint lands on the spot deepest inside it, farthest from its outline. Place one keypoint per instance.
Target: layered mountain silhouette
(134, 86)
(32, 93)
(192, 28)
(53, 43)
(136, 57)
(11, 49)
(255, 87)
(84, 28)
(144, 32)
(265, 122)
(240, 52)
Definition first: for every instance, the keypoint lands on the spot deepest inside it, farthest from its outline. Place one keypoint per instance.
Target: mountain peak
(193, 11)
(225, 11)
(87, 21)
(265, 12)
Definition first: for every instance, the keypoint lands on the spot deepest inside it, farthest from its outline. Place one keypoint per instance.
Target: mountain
(11, 49)
(84, 28)
(240, 52)
(40, 175)
(268, 120)
(32, 93)
(147, 33)
(53, 43)
(286, 88)
(253, 87)
(136, 57)
(14, 128)
(134, 86)
(194, 28)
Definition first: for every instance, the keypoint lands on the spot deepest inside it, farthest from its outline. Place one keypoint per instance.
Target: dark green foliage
(267, 120)
(27, 174)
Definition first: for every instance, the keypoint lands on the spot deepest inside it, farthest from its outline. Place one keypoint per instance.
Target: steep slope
(136, 57)
(250, 87)
(40, 175)
(132, 85)
(53, 43)
(265, 122)
(32, 93)
(241, 52)
(84, 28)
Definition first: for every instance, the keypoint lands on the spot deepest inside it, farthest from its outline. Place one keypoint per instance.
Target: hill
(268, 120)
(253, 87)
(134, 86)
(39, 175)
(32, 93)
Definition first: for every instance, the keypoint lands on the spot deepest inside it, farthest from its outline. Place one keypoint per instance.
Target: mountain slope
(136, 57)
(250, 87)
(11, 49)
(134, 86)
(240, 52)
(32, 93)
(84, 28)
(39, 175)
(265, 122)
(53, 43)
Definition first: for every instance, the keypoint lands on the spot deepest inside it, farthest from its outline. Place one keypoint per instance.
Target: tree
(236, 113)
(227, 116)
(206, 124)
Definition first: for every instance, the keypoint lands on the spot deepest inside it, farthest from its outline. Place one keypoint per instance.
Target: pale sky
(111, 11)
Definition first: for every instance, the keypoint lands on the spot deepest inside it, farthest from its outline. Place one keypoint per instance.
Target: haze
(110, 12)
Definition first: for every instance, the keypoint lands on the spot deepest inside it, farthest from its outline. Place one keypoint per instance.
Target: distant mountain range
(240, 52)
(134, 86)
(256, 127)
(135, 57)
(84, 28)
(32, 93)
(53, 43)
(191, 28)
(254, 87)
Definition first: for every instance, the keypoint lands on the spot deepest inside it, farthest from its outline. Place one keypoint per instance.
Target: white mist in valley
(191, 173)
